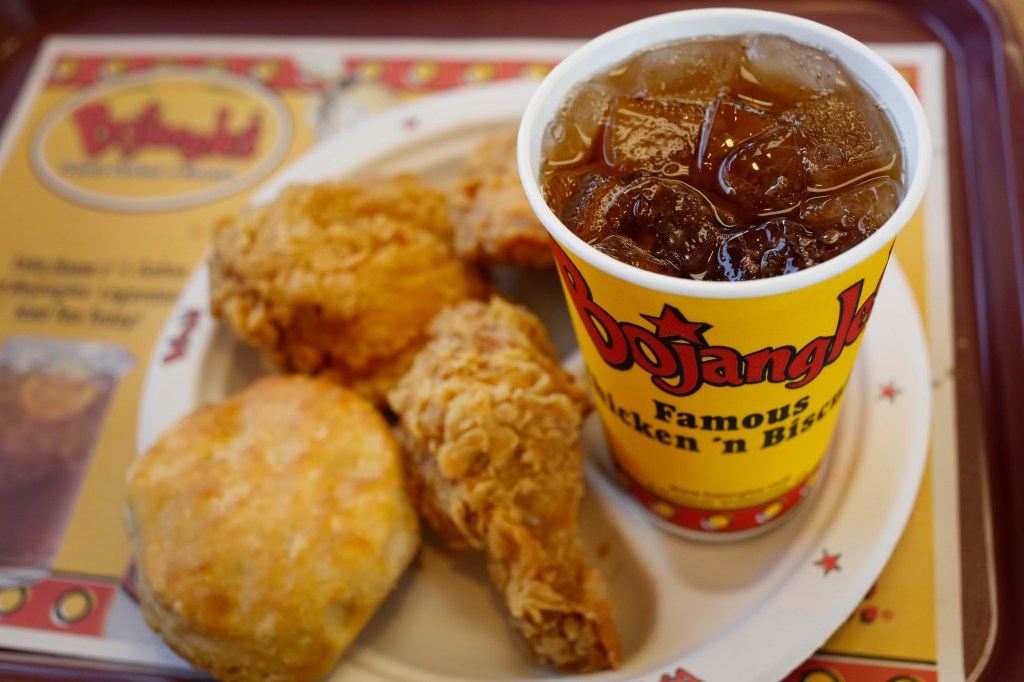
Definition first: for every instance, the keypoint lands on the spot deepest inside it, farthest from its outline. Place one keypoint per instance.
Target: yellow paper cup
(719, 399)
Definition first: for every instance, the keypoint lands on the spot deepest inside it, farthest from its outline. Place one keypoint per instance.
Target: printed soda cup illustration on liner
(54, 395)
(718, 398)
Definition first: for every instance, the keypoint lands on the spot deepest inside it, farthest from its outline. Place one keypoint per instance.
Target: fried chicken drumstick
(490, 427)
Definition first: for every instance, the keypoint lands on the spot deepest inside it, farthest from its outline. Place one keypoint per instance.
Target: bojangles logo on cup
(161, 140)
(717, 412)
(674, 352)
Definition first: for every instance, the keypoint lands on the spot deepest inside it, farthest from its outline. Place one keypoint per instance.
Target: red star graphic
(890, 391)
(672, 324)
(828, 562)
(680, 675)
(411, 123)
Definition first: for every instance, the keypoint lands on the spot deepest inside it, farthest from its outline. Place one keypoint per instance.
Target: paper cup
(719, 399)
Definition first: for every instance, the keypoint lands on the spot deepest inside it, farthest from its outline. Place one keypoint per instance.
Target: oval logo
(157, 142)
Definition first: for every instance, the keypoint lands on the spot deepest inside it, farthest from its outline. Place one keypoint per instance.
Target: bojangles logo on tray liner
(99, 131)
(674, 352)
(164, 140)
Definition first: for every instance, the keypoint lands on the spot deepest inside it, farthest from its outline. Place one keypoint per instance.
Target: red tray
(985, 93)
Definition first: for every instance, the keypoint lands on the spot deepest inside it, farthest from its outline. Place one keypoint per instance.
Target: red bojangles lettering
(100, 131)
(680, 361)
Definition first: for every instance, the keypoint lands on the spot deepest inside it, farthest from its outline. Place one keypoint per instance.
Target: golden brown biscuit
(493, 220)
(268, 528)
(340, 278)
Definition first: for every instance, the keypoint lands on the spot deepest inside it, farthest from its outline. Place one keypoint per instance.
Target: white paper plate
(751, 610)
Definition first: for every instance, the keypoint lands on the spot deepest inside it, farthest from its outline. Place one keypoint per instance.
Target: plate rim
(478, 105)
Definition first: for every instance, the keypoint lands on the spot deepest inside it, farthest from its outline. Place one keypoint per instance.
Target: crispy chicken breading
(489, 424)
(493, 220)
(340, 278)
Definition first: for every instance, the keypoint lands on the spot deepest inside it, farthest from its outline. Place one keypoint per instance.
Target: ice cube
(698, 69)
(561, 184)
(791, 70)
(726, 125)
(667, 219)
(568, 139)
(765, 174)
(584, 196)
(768, 250)
(844, 143)
(626, 250)
(652, 134)
(819, 245)
(858, 211)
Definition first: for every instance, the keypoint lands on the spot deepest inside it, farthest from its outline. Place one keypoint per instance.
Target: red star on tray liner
(673, 324)
(828, 562)
(890, 391)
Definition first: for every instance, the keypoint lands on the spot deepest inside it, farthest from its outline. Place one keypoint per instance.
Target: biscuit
(268, 528)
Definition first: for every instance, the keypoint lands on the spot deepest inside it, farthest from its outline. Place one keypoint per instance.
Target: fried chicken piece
(341, 278)
(493, 220)
(489, 424)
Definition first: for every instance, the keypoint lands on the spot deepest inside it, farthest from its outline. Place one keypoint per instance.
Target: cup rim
(592, 58)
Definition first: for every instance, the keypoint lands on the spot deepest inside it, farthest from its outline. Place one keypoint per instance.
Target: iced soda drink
(723, 188)
(54, 396)
(723, 158)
